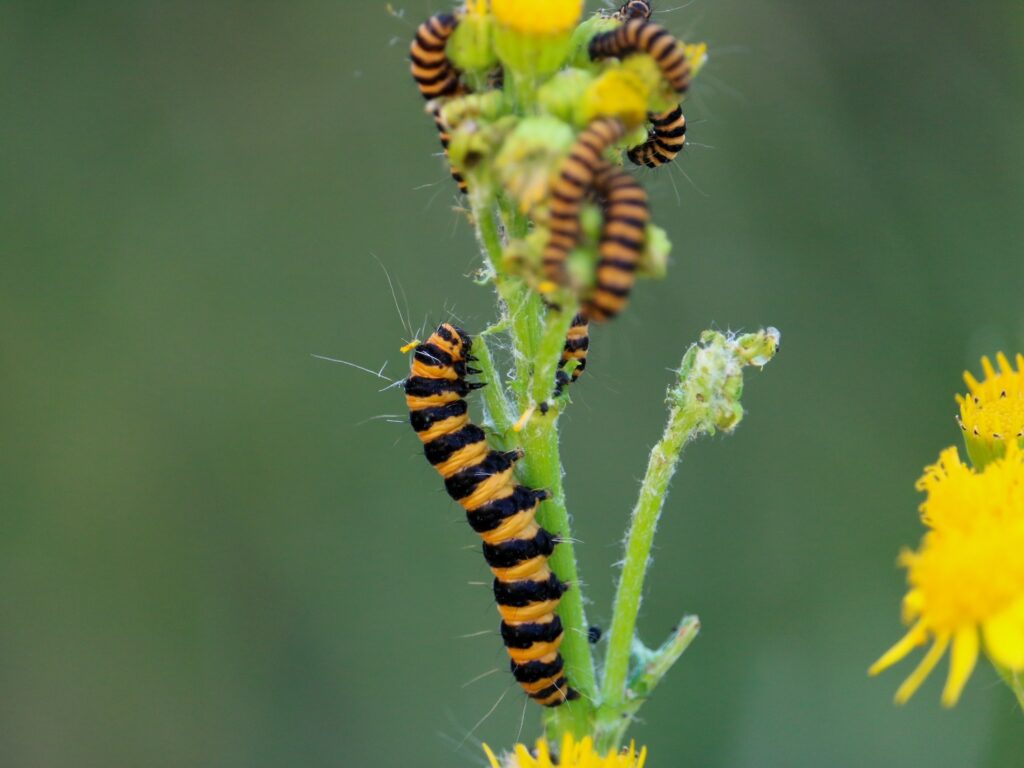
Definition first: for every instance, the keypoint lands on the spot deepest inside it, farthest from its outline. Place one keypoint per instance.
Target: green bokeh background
(212, 554)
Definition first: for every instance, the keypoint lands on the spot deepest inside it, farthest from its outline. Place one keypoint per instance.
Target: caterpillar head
(453, 340)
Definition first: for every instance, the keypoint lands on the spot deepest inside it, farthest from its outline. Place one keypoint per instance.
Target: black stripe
(443, 73)
(628, 221)
(561, 685)
(462, 484)
(533, 671)
(426, 45)
(422, 386)
(575, 345)
(675, 133)
(625, 242)
(425, 418)
(515, 551)
(524, 635)
(431, 354)
(614, 290)
(442, 448)
(620, 264)
(520, 594)
(671, 117)
(490, 515)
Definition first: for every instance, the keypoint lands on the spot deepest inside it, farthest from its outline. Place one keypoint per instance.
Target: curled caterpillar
(498, 508)
(641, 36)
(665, 139)
(434, 73)
(634, 9)
(623, 237)
(574, 183)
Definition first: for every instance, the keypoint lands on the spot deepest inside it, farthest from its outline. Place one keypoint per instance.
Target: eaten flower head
(574, 754)
(967, 577)
(992, 410)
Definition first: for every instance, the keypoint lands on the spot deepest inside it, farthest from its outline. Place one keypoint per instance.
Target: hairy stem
(496, 406)
(660, 468)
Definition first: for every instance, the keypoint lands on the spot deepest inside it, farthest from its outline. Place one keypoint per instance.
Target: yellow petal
(643, 758)
(1004, 364)
(912, 683)
(961, 663)
(1004, 637)
(490, 756)
(909, 642)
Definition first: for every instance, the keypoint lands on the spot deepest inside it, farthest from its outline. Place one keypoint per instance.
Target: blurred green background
(213, 554)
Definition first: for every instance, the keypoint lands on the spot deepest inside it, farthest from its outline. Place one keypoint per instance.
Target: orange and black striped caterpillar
(500, 510)
(622, 240)
(668, 129)
(435, 75)
(642, 36)
(585, 174)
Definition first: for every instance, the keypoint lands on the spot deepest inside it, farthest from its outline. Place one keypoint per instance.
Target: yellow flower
(538, 17)
(617, 93)
(574, 754)
(967, 578)
(992, 411)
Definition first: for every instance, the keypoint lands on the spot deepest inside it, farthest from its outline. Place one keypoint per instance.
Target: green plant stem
(498, 411)
(541, 468)
(1016, 682)
(662, 464)
(652, 666)
(537, 339)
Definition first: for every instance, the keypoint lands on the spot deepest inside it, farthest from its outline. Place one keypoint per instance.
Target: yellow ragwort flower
(993, 409)
(574, 754)
(538, 17)
(967, 578)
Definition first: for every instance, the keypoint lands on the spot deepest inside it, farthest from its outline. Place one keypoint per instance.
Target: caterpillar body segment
(637, 35)
(574, 184)
(665, 140)
(436, 76)
(500, 510)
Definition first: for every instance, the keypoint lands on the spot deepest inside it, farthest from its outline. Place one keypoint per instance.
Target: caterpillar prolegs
(500, 510)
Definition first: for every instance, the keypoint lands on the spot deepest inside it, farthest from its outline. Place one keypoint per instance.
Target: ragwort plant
(535, 107)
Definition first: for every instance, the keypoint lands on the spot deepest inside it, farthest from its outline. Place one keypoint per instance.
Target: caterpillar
(665, 140)
(577, 342)
(635, 9)
(442, 132)
(668, 129)
(637, 35)
(623, 236)
(575, 181)
(435, 75)
(500, 510)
